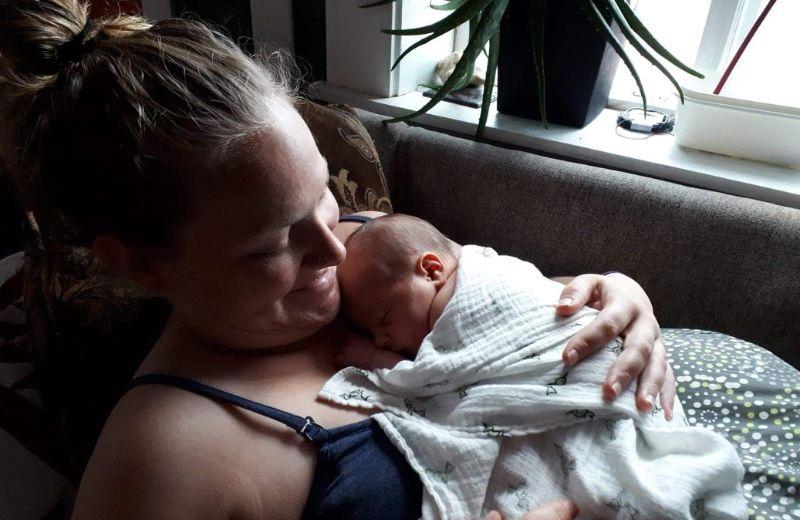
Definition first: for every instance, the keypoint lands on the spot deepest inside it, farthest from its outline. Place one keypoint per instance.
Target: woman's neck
(182, 352)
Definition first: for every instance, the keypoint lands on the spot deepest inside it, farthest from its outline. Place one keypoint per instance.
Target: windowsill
(657, 156)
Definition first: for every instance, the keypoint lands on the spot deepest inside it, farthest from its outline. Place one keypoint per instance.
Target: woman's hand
(626, 311)
(561, 510)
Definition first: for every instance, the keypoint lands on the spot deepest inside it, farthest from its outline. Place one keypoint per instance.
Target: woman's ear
(133, 262)
(431, 266)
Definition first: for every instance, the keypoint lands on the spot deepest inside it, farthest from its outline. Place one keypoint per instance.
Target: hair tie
(78, 46)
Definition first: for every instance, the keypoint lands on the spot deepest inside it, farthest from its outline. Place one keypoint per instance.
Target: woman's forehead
(276, 178)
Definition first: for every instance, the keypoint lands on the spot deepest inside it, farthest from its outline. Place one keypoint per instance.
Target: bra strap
(304, 426)
(355, 218)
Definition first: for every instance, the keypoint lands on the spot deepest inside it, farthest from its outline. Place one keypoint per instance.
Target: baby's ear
(431, 266)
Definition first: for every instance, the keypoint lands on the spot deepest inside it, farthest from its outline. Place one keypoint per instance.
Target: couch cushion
(707, 260)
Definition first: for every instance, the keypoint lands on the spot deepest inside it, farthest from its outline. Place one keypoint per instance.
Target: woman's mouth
(321, 282)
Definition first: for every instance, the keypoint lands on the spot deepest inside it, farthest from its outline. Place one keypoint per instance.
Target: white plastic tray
(740, 128)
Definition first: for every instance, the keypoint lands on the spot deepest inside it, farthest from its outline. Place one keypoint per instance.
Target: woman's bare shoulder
(165, 452)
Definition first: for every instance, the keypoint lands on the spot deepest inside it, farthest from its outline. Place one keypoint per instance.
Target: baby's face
(394, 310)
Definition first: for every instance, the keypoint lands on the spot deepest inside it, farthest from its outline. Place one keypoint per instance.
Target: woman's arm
(626, 311)
(167, 455)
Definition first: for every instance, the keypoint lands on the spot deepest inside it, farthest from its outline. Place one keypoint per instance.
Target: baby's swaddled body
(490, 417)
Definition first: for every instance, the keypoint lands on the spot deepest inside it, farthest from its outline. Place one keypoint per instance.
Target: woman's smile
(321, 281)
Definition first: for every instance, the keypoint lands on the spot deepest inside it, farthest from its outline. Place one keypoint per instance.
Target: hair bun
(36, 34)
(80, 45)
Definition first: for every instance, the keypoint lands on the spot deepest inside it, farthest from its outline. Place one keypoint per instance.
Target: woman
(190, 172)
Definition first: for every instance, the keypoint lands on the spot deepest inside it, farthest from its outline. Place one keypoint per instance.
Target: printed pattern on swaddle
(489, 416)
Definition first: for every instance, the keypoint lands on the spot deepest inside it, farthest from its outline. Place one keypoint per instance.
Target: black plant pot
(579, 65)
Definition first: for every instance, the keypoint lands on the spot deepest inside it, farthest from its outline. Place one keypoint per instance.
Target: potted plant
(485, 18)
(738, 127)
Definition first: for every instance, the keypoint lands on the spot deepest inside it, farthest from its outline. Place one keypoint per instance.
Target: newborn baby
(486, 412)
(397, 278)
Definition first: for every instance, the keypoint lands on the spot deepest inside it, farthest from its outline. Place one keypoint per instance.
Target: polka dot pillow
(750, 396)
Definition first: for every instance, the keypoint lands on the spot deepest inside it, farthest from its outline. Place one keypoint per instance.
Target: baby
(467, 369)
(398, 276)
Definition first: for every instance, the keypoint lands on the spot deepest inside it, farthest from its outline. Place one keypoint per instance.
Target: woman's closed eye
(260, 255)
(267, 252)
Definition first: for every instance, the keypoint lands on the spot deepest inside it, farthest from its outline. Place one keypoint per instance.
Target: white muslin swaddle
(491, 418)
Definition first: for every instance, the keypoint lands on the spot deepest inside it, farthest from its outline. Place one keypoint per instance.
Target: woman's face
(255, 267)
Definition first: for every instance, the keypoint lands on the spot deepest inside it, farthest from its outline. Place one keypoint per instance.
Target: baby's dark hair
(399, 238)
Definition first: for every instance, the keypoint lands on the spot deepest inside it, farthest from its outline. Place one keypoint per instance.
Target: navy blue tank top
(359, 473)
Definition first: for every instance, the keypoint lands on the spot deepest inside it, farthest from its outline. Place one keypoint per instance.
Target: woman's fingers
(577, 293)
(635, 359)
(607, 325)
(560, 510)
(625, 311)
(651, 378)
(668, 393)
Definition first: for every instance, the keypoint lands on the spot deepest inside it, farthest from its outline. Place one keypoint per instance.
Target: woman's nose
(326, 250)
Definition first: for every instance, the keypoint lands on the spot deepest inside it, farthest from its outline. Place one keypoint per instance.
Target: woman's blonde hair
(106, 119)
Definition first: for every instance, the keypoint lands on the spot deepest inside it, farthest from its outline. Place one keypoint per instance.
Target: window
(768, 70)
(705, 34)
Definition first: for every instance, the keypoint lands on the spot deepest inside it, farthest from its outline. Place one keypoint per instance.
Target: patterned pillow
(356, 177)
(752, 398)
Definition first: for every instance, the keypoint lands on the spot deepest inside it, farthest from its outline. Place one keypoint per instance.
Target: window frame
(726, 26)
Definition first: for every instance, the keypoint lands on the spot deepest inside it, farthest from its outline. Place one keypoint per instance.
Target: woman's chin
(320, 299)
(317, 308)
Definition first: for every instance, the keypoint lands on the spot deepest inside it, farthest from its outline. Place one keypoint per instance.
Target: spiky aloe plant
(484, 18)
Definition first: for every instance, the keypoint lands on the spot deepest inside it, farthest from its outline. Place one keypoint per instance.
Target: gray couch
(708, 260)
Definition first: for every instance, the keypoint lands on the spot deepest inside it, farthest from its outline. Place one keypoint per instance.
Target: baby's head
(394, 268)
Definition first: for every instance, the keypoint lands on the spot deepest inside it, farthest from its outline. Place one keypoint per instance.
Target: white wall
(272, 23)
(272, 20)
(359, 55)
(156, 9)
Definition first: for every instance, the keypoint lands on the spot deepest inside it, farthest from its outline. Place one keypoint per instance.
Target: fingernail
(572, 357)
(650, 399)
(616, 387)
(565, 302)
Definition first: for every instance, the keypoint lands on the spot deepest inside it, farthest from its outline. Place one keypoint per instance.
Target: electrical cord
(636, 120)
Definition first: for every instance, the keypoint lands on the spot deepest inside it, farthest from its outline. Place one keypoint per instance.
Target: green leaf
(470, 9)
(488, 86)
(449, 6)
(626, 30)
(600, 23)
(537, 10)
(642, 31)
(488, 26)
(415, 45)
(473, 23)
(373, 4)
